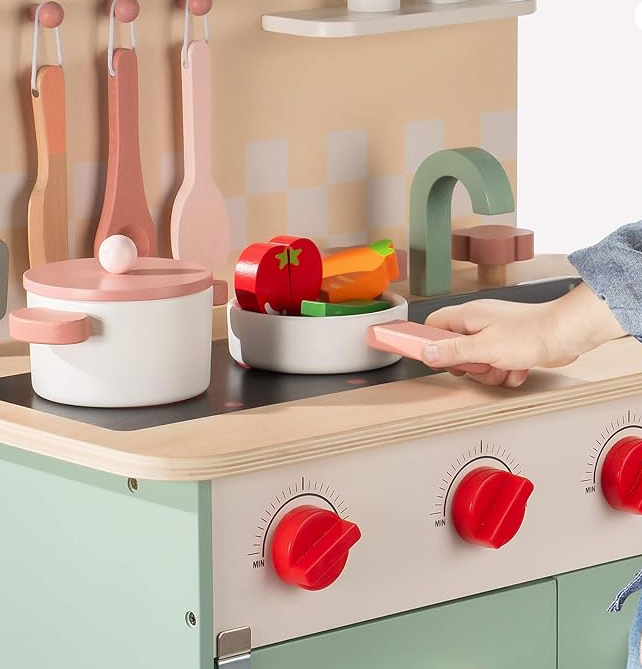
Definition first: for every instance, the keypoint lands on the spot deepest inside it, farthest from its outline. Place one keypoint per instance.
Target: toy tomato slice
(306, 270)
(262, 278)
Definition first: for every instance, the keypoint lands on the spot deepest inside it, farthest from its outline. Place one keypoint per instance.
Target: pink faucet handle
(492, 248)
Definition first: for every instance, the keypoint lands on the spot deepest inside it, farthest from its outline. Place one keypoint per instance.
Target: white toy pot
(106, 340)
(308, 345)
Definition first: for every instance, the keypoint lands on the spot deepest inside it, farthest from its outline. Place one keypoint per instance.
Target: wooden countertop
(298, 431)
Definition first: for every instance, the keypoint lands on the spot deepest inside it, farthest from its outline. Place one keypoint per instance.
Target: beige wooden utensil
(125, 210)
(200, 228)
(48, 231)
(47, 214)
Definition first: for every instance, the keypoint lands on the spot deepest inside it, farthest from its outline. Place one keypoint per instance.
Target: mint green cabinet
(94, 576)
(508, 629)
(588, 636)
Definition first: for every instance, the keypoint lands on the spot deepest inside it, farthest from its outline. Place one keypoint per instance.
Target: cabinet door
(589, 637)
(502, 630)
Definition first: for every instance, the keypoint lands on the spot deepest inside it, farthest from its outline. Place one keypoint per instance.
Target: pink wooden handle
(197, 112)
(409, 339)
(48, 326)
(125, 210)
(221, 292)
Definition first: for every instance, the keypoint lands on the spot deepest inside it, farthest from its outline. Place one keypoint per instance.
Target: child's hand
(512, 338)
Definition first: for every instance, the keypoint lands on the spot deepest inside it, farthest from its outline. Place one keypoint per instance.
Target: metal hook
(131, 18)
(54, 15)
(206, 26)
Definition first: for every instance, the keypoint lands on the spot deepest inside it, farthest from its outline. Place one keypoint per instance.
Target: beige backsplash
(314, 137)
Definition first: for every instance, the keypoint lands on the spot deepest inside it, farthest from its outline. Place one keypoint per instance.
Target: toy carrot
(361, 273)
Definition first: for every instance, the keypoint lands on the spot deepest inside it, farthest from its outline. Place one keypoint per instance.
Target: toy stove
(310, 547)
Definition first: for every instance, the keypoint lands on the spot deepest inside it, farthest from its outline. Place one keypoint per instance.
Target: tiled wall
(313, 137)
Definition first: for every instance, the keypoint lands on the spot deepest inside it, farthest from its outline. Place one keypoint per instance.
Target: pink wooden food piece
(51, 14)
(305, 268)
(492, 247)
(200, 228)
(409, 340)
(262, 278)
(48, 326)
(125, 210)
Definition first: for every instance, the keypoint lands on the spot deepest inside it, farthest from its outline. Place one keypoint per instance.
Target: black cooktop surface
(236, 389)
(232, 389)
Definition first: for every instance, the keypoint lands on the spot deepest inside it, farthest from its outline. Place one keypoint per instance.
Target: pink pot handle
(409, 339)
(48, 326)
(221, 292)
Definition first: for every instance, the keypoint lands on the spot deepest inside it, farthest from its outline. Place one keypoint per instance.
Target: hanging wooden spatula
(125, 210)
(200, 228)
(48, 221)
(48, 229)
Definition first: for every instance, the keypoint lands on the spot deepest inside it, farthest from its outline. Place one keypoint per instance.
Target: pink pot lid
(85, 280)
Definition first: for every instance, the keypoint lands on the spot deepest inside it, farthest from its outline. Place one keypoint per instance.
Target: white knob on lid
(117, 254)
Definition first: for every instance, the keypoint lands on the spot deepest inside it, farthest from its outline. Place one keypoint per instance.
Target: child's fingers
(493, 377)
(456, 352)
(516, 378)
(448, 318)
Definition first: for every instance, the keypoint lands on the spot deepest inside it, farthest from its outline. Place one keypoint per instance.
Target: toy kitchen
(224, 227)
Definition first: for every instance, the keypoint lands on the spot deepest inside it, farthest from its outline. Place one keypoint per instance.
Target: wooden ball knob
(51, 14)
(117, 254)
(197, 7)
(492, 248)
(125, 11)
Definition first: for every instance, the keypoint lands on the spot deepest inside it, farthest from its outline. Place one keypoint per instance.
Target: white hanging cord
(110, 46)
(206, 28)
(34, 51)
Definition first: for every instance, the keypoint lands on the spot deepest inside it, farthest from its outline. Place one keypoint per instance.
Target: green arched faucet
(430, 210)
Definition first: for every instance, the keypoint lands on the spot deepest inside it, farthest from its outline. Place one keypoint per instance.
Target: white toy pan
(327, 345)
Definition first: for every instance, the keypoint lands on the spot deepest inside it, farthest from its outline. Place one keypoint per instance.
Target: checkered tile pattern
(352, 206)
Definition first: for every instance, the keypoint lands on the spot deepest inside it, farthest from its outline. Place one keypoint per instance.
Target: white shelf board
(340, 22)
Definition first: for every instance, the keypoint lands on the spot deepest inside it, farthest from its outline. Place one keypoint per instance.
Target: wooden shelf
(340, 22)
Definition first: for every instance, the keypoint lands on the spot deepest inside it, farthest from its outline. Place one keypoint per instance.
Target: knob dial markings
(305, 489)
(608, 437)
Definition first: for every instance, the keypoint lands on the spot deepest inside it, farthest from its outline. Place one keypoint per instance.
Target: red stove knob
(489, 506)
(310, 547)
(622, 475)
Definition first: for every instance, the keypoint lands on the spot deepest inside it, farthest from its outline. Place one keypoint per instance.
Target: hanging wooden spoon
(200, 228)
(125, 210)
(48, 222)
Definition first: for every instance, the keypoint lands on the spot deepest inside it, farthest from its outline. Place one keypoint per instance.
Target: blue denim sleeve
(613, 270)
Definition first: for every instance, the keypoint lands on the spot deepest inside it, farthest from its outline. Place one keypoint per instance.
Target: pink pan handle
(48, 326)
(221, 292)
(409, 339)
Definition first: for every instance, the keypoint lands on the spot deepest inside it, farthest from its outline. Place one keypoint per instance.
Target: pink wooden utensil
(47, 214)
(200, 228)
(125, 210)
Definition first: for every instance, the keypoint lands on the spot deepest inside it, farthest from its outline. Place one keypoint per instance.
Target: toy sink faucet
(430, 210)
